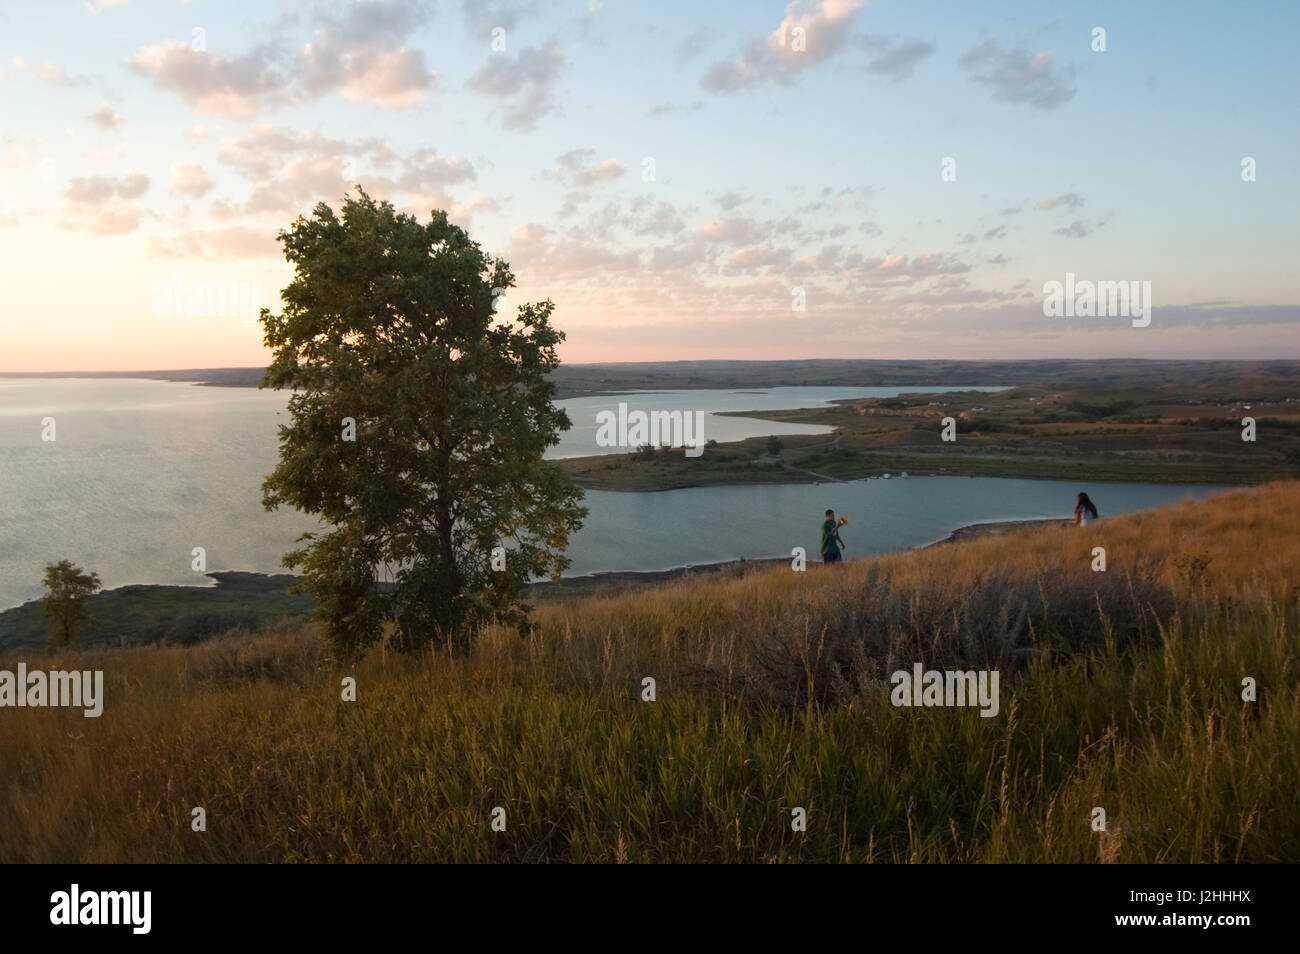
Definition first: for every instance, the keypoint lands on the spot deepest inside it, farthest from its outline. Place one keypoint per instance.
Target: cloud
(824, 25)
(1018, 76)
(268, 148)
(534, 247)
(1071, 200)
(735, 231)
(896, 60)
(751, 68)
(190, 179)
(483, 16)
(853, 198)
(575, 171)
(221, 210)
(731, 199)
(96, 190)
(300, 184)
(393, 78)
(236, 88)
(105, 118)
(1075, 229)
(891, 270)
(233, 242)
(1228, 314)
(651, 218)
(55, 76)
(759, 256)
(809, 34)
(362, 55)
(667, 109)
(692, 44)
(995, 233)
(237, 242)
(292, 171)
(114, 219)
(528, 79)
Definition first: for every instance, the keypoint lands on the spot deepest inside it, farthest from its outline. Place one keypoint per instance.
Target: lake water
(580, 439)
(142, 472)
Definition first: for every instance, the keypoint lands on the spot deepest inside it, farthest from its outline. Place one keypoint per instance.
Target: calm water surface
(144, 471)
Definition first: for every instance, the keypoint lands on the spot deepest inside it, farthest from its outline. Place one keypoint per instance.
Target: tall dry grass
(1120, 690)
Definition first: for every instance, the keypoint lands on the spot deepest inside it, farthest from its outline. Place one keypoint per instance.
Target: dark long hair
(1087, 504)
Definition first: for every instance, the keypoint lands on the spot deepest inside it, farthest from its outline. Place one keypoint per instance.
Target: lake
(143, 471)
(580, 439)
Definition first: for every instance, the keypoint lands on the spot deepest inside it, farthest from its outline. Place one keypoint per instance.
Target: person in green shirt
(831, 542)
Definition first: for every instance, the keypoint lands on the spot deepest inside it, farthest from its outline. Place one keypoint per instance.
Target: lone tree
(69, 588)
(419, 418)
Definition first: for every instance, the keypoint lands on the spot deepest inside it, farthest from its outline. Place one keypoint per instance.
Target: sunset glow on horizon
(678, 179)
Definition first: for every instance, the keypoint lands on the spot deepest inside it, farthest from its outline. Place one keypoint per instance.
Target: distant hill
(578, 379)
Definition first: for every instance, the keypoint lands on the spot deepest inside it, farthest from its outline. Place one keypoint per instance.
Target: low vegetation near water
(1120, 690)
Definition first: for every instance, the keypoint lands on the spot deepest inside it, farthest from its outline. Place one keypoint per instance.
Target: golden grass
(1121, 690)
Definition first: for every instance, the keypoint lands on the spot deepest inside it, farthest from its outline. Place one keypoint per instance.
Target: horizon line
(764, 361)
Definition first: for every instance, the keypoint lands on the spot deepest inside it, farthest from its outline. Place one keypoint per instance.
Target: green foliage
(775, 445)
(69, 588)
(391, 323)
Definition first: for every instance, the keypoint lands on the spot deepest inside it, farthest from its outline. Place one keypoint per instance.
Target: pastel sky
(672, 174)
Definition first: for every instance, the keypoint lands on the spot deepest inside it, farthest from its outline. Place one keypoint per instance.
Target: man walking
(831, 542)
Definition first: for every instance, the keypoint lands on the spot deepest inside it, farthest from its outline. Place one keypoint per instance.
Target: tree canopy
(418, 421)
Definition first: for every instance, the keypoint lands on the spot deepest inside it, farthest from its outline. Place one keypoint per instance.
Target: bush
(838, 641)
(195, 627)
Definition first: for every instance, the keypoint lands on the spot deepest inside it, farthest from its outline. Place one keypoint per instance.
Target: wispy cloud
(526, 79)
(809, 34)
(1018, 76)
(895, 59)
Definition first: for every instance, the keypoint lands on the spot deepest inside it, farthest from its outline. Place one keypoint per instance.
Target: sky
(733, 179)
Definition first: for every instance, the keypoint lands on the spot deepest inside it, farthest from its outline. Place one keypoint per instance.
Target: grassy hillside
(1120, 689)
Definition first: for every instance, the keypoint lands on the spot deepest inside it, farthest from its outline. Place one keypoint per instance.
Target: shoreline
(794, 480)
(976, 531)
(254, 584)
